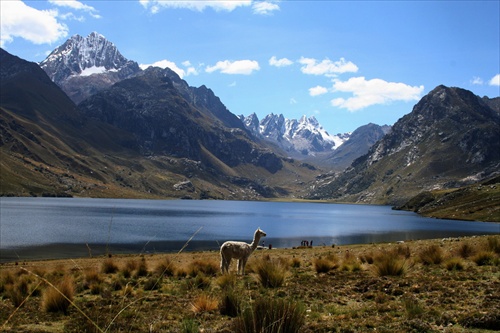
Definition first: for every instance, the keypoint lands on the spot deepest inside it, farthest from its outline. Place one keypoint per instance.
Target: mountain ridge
(298, 138)
(422, 151)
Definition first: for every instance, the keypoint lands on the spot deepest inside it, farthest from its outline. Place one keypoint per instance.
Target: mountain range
(88, 122)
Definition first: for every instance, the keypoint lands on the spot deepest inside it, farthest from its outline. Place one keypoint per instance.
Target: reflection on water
(53, 227)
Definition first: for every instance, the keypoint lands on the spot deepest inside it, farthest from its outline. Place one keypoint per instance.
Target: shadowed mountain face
(450, 138)
(152, 108)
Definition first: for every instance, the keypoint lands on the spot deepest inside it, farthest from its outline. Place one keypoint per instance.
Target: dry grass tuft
(210, 268)
(454, 264)
(109, 266)
(431, 255)
(466, 250)
(59, 297)
(226, 281)
(389, 264)
(484, 258)
(271, 273)
(165, 268)
(204, 303)
(142, 268)
(326, 264)
(268, 315)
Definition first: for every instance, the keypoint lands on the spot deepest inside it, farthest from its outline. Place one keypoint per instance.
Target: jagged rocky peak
(301, 137)
(83, 66)
(83, 56)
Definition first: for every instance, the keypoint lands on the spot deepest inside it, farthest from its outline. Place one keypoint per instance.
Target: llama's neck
(255, 242)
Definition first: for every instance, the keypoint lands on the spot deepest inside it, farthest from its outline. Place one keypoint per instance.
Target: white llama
(240, 251)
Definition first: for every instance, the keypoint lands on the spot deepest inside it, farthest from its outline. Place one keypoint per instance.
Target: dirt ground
(446, 285)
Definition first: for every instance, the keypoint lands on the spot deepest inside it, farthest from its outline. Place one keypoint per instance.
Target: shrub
(109, 266)
(204, 303)
(58, 297)
(388, 264)
(271, 273)
(269, 315)
(431, 255)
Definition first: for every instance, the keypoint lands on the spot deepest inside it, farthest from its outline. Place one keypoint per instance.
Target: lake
(36, 228)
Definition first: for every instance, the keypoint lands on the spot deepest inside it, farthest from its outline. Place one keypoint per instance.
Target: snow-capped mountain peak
(83, 56)
(298, 137)
(92, 58)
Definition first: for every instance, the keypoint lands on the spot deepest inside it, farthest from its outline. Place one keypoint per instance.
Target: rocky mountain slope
(165, 123)
(84, 65)
(451, 138)
(164, 147)
(358, 144)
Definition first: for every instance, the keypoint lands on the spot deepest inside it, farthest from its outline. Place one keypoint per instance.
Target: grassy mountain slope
(479, 202)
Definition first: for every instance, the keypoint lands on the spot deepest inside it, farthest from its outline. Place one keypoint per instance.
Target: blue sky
(347, 63)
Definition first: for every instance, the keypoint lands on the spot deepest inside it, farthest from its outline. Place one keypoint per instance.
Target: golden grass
(60, 297)
(354, 294)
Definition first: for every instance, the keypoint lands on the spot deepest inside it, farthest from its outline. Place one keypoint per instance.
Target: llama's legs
(224, 264)
(241, 266)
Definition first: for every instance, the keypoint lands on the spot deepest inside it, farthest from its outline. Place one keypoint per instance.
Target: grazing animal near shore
(240, 251)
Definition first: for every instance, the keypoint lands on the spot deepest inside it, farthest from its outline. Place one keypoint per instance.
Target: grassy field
(450, 285)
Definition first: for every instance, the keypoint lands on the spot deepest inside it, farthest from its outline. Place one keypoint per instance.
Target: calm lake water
(72, 227)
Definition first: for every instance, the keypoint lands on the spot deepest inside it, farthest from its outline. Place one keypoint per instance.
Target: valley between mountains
(88, 122)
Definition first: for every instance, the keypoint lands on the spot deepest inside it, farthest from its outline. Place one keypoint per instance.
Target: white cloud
(293, 101)
(77, 5)
(495, 81)
(280, 62)
(326, 67)
(477, 81)
(318, 90)
(245, 67)
(164, 64)
(196, 5)
(37, 26)
(264, 7)
(372, 92)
